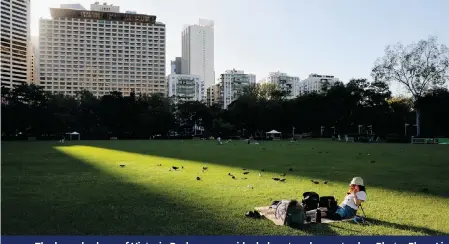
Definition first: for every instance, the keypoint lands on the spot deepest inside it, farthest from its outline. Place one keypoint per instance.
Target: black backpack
(310, 200)
(330, 203)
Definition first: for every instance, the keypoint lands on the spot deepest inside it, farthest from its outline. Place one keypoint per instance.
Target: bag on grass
(330, 203)
(310, 200)
(291, 213)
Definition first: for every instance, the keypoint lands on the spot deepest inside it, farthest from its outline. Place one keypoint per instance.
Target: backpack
(330, 203)
(290, 213)
(310, 201)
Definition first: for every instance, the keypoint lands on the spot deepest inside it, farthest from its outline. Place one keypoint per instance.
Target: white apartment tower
(231, 86)
(101, 50)
(198, 51)
(185, 88)
(315, 82)
(15, 37)
(286, 83)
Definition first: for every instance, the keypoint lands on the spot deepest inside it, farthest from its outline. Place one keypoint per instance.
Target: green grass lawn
(78, 188)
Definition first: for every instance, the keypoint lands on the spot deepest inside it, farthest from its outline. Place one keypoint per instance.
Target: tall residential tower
(101, 50)
(198, 51)
(15, 37)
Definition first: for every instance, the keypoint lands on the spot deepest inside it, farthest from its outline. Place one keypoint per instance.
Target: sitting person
(348, 208)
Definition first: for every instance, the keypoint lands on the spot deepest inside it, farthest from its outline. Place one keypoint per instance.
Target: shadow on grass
(387, 166)
(415, 229)
(66, 196)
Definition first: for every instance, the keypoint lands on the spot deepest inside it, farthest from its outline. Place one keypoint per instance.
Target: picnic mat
(269, 213)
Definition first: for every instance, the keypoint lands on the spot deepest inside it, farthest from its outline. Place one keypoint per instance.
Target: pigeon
(283, 175)
(233, 177)
(250, 186)
(276, 179)
(182, 166)
(262, 170)
(122, 165)
(244, 178)
(205, 168)
(159, 165)
(290, 169)
(169, 170)
(174, 167)
(282, 180)
(198, 178)
(229, 174)
(373, 161)
(260, 174)
(313, 148)
(325, 182)
(314, 181)
(245, 173)
(243, 169)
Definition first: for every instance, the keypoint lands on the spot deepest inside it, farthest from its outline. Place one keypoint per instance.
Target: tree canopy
(30, 111)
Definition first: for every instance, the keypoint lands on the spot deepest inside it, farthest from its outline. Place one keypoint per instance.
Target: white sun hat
(357, 181)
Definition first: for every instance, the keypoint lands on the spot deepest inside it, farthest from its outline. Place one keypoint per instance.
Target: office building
(185, 88)
(176, 67)
(101, 50)
(231, 85)
(286, 83)
(33, 52)
(315, 83)
(15, 37)
(198, 51)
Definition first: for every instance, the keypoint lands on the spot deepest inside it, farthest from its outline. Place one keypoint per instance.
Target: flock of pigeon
(175, 168)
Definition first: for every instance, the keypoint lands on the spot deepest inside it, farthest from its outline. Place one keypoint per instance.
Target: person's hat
(357, 181)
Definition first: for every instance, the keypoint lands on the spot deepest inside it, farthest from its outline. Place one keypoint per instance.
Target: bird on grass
(325, 182)
(244, 178)
(276, 179)
(174, 167)
(182, 166)
(250, 186)
(204, 168)
(290, 169)
(315, 182)
(122, 165)
(283, 175)
(245, 173)
(373, 161)
(159, 165)
(282, 180)
(243, 169)
(233, 177)
(229, 174)
(262, 170)
(198, 178)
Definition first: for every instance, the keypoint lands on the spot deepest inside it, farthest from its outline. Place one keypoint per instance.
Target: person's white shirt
(349, 200)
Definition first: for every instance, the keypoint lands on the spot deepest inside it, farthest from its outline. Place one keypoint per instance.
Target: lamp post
(322, 130)
(405, 129)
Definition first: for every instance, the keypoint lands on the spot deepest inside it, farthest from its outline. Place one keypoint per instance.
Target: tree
(418, 67)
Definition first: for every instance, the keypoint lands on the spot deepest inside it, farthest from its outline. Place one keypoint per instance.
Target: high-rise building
(198, 51)
(185, 88)
(33, 57)
(231, 86)
(176, 66)
(101, 50)
(286, 83)
(15, 37)
(315, 83)
(213, 95)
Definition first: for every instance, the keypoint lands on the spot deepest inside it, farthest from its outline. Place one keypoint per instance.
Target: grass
(78, 188)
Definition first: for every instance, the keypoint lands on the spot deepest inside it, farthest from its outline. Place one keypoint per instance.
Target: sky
(332, 37)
